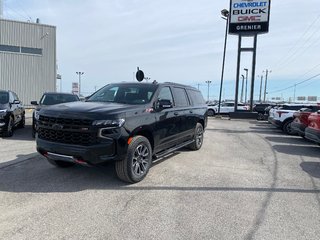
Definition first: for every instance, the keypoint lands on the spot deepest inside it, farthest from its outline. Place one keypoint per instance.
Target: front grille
(66, 130)
(77, 138)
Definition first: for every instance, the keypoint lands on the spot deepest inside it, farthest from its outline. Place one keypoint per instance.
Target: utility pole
(266, 84)
(260, 95)
(208, 82)
(79, 74)
(198, 86)
(294, 93)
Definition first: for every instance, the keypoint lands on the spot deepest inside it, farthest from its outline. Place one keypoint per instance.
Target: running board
(170, 150)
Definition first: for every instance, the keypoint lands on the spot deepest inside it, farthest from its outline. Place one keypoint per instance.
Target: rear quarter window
(195, 97)
(180, 97)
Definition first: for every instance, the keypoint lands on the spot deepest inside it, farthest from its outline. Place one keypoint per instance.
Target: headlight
(117, 123)
(36, 115)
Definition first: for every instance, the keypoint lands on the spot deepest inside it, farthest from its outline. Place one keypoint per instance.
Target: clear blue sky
(179, 41)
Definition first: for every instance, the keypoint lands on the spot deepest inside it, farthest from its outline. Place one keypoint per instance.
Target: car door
(166, 128)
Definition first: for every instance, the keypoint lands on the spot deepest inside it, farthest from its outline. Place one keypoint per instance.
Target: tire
(33, 133)
(211, 113)
(198, 138)
(9, 131)
(22, 123)
(61, 164)
(137, 162)
(260, 117)
(287, 127)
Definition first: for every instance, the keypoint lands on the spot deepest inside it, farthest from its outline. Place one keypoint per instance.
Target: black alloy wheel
(198, 137)
(137, 163)
(9, 130)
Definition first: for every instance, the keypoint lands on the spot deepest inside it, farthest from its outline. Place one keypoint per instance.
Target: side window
(180, 97)
(196, 97)
(165, 93)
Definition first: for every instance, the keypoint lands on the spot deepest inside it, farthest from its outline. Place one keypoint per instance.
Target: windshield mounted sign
(249, 17)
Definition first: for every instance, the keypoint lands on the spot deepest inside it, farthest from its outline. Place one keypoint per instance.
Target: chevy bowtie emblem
(57, 126)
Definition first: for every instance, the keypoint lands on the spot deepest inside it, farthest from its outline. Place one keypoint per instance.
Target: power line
(291, 53)
(293, 86)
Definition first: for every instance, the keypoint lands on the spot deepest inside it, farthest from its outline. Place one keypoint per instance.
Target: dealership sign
(249, 17)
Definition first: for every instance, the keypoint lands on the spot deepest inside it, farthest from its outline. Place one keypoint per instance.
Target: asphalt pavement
(249, 181)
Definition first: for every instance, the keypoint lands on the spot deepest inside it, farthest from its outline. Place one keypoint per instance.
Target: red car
(312, 132)
(301, 119)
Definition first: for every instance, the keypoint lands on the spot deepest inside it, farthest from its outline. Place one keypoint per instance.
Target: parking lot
(249, 181)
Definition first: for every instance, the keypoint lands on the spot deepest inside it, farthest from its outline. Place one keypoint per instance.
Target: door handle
(191, 111)
(176, 113)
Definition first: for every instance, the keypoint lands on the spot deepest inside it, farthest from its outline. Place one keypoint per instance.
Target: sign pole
(238, 74)
(254, 59)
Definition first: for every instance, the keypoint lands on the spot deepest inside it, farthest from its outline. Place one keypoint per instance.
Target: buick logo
(57, 127)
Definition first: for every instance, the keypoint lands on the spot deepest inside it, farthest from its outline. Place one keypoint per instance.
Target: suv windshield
(125, 93)
(4, 97)
(51, 99)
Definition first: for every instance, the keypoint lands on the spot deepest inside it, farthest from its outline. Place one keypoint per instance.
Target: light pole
(266, 84)
(241, 98)
(260, 95)
(225, 16)
(246, 69)
(208, 82)
(79, 74)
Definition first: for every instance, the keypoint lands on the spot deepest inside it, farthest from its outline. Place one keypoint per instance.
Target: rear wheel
(211, 113)
(287, 128)
(9, 130)
(198, 138)
(61, 164)
(137, 163)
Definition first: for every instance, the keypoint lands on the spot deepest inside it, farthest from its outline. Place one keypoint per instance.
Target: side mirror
(16, 102)
(164, 104)
(34, 103)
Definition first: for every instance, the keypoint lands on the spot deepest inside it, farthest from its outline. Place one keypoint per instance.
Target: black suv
(129, 123)
(12, 113)
(48, 99)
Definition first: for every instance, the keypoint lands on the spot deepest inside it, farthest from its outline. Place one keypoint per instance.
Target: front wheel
(22, 123)
(287, 128)
(198, 138)
(9, 130)
(137, 163)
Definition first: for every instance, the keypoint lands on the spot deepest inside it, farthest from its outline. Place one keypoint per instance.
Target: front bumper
(107, 151)
(4, 119)
(274, 122)
(312, 134)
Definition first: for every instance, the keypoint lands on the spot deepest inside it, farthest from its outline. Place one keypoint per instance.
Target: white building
(27, 59)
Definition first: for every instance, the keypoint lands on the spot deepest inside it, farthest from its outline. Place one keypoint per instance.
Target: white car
(225, 108)
(283, 116)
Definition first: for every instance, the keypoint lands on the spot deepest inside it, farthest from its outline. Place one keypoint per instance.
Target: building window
(7, 48)
(16, 49)
(37, 51)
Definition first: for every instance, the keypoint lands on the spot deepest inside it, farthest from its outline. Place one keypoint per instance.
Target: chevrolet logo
(57, 127)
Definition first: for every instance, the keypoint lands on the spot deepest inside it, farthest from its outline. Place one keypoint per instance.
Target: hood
(96, 110)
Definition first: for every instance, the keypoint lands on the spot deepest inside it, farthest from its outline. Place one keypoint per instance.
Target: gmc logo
(249, 19)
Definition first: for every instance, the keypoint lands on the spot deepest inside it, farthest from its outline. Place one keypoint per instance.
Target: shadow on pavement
(289, 140)
(23, 134)
(312, 168)
(307, 151)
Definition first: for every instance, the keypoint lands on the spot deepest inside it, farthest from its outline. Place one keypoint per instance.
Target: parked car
(282, 117)
(301, 119)
(312, 132)
(129, 123)
(12, 113)
(261, 109)
(48, 99)
(225, 108)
